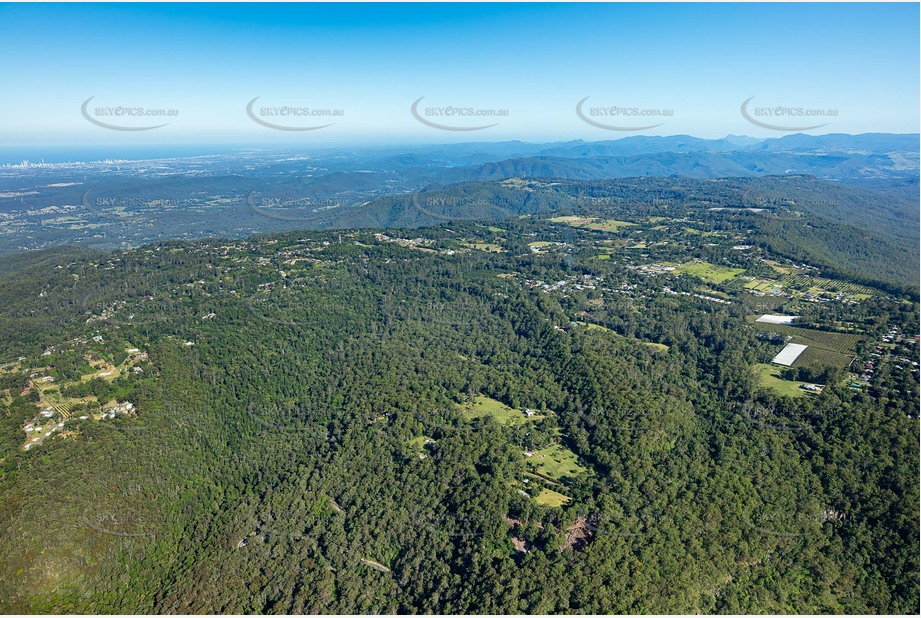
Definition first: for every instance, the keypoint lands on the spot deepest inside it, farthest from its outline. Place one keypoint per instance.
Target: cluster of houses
(712, 299)
(42, 426)
(585, 282)
(545, 247)
(38, 428)
(119, 408)
(412, 243)
(776, 290)
(892, 336)
(652, 269)
(898, 345)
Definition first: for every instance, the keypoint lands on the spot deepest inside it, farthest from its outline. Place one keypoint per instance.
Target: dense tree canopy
(300, 444)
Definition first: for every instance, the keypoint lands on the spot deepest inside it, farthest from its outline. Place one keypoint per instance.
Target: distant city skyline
(325, 75)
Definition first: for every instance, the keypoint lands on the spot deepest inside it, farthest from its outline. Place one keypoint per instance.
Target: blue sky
(535, 61)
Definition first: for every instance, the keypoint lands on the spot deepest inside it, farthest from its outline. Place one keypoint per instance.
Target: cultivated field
(825, 348)
(817, 356)
(820, 284)
(836, 342)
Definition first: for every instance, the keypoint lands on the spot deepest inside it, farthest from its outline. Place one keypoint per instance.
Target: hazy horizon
(14, 154)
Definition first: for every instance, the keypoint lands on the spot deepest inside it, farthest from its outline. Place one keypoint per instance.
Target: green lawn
(417, 444)
(609, 225)
(489, 247)
(555, 461)
(590, 223)
(102, 367)
(784, 270)
(709, 272)
(762, 285)
(548, 497)
(769, 377)
(504, 415)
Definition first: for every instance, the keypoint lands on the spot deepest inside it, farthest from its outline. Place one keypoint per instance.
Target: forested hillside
(540, 415)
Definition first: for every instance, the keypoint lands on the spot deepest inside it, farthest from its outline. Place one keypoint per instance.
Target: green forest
(422, 421)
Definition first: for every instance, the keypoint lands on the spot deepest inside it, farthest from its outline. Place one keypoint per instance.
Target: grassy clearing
(709, 272)
(783, 270)
(572, 220)
(503, 414)
(556, 462)
(709, 292)
(763, 285)
(590, 223)
(769, 378)
(489, 247)
(609, 225)
(548, 497)
(660, 347)
(418, 443)
(101, 369)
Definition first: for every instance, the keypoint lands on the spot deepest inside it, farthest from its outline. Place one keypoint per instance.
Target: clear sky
(372, 61)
